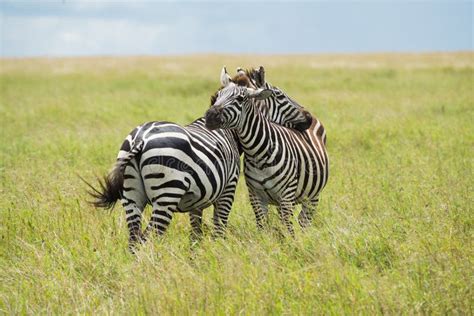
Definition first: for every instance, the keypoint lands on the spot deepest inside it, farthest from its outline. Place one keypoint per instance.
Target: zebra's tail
(111, 186)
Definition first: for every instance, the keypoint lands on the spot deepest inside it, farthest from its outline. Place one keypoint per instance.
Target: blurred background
(82, 28)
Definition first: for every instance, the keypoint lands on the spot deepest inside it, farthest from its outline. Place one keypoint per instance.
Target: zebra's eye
(240, 98)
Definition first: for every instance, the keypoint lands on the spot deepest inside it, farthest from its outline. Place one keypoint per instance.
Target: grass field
(393, 233)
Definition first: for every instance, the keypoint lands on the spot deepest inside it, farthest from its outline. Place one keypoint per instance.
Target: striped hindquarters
(191, 161)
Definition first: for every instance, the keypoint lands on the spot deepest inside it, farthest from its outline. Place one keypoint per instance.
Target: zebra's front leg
(305, 218)
(285, 210)
(195, 218)
(260, 210)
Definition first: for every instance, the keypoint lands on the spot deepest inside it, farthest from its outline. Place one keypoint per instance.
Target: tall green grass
(393, 233)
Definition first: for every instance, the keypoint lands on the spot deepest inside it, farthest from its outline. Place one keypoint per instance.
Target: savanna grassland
(394, 229)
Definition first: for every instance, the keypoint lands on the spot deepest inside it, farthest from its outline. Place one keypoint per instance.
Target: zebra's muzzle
(306, 123)
(213, 118)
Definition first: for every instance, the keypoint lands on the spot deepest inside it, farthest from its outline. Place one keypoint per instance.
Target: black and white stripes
(283, 166)
(181, 169)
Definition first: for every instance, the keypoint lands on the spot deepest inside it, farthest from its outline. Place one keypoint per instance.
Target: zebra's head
(280, 108)
(227, 103)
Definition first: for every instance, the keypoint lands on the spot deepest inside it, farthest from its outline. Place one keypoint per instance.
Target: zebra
(179, 169)
(282, 166)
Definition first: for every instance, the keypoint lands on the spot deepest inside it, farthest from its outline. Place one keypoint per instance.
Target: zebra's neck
(253, 131)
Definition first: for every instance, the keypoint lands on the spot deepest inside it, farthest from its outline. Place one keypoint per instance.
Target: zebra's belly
(267, 184)
(273, 197)
(262, 179)
(270, 184)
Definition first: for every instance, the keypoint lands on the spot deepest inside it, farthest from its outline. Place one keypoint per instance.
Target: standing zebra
(282, 166)
(179, 169)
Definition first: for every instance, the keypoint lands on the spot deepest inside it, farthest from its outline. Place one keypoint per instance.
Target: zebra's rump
(191, 162)
(314, 166)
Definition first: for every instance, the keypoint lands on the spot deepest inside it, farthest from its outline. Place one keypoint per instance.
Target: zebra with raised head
(282, 166)
(178, 169)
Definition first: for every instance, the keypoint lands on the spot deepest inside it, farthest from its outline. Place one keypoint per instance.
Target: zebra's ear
(240, 71)
(260, 77)
(225, 78)
(259, 94)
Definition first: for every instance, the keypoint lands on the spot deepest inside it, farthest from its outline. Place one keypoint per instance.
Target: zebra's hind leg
(161, 215)
(305, 218)
(260, 210)
(133, 201)
(133, 213)
(195, 218)
(285, 210)
(164, 189)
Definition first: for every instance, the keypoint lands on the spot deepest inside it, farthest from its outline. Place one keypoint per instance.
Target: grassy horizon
(393, 232)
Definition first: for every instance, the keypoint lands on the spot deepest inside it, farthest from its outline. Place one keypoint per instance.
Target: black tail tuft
(109, 191)
(111, 186)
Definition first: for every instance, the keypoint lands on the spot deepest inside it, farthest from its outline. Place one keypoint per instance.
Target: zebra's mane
(240, 80)
(253, 75)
